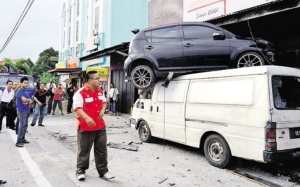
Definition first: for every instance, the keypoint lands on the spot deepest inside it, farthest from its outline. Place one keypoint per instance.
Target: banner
(103, 73)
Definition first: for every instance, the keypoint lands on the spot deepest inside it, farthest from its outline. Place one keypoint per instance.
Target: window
(69, 36)
(64, 39)
(70, 15)
(148, 36)
(198, 32)
(77, 51)
(286, 92)
(77, 30)
(77, 8)
(97, 17)
(164, 35)
(65, 18)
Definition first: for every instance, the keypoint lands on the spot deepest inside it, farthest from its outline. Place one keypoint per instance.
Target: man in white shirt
(113, 99)
(6, 97)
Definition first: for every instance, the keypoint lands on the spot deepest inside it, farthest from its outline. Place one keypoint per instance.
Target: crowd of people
(90, 104)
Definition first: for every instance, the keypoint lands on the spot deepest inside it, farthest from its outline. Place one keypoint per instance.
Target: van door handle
(156, 109)
(188, 45)
(149, 47)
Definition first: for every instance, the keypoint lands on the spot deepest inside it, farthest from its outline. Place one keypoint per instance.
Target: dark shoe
(41, 125)
(19, 145)
(80, 177)
(62, 113)
(2, 181)
(32, 124)
(13, 128)
(26, 141)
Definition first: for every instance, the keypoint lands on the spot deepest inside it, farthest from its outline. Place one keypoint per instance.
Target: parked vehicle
(190, 47)
(17, 77)
(252, 113)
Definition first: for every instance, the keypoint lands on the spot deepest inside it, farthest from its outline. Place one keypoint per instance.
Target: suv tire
(250, 59)
(142, 77)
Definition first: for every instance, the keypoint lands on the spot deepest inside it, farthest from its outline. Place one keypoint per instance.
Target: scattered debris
(295, 178)
(123, 146)
(163, 180)
(171, 184)
(188, 170)
(173, 165)
(124, 131)
(157, 158)
(135, 143)
(117, 127)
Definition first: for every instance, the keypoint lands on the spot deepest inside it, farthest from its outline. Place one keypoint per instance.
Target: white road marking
(31, 165)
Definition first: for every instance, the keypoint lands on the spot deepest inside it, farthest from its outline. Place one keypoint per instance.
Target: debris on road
(188, 170)
(171, 184)
(123, 146)
(135, 143)
(163, 180)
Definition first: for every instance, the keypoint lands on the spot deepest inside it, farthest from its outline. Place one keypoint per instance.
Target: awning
(121, 49)
(65, 70)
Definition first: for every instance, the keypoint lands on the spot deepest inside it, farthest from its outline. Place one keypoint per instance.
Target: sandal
(2, 181)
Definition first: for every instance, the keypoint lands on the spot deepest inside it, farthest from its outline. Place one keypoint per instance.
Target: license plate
(294, 133)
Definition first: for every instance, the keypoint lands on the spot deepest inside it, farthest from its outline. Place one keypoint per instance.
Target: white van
(252, 113)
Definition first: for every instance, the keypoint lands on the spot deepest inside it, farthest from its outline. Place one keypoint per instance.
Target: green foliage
(46, 77)
(22, 65)
(39, 69)
(30, 63)
(45, 58)
(8, 62)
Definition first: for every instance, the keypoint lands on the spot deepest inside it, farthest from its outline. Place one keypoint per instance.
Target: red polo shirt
(91, 102)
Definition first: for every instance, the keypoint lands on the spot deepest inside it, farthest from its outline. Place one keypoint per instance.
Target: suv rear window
(168, 34)
(286, 92)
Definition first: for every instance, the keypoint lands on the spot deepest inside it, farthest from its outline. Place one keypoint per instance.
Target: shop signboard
(103, 73)
(202, 10)
(61, 64)
(73, 63)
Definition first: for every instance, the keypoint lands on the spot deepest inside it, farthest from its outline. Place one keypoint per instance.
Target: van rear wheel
(217, 151)
(144, 132)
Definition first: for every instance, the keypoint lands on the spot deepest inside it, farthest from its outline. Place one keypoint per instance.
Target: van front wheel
(144, 132)
(217, 151)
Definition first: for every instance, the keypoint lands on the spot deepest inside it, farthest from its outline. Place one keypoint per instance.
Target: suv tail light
(271, 137)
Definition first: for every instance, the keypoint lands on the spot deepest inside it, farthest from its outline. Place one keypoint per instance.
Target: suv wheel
(250, 59)
(142, 77)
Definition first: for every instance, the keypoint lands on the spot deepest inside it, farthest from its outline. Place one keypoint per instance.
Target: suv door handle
(149, 47)
(188, 45)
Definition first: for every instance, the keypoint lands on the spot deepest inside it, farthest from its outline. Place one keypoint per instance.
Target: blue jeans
(23, 124)
(113, 107)
(38, 110)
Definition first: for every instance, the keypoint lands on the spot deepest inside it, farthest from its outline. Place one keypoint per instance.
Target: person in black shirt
(41, 98)
(70, 92)
(50, 101)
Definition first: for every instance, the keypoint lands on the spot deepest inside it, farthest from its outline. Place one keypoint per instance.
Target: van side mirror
(167, 81)
(218, 36)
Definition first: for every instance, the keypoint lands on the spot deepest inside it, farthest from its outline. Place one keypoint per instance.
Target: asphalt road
(50, 160)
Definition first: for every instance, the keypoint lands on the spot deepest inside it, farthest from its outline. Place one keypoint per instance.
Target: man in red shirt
(89, 103)
(58, 92)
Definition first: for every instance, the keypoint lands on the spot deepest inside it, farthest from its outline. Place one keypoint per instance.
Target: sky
(38, 31)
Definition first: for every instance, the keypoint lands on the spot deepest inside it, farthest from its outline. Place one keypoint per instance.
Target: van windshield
(286, 92)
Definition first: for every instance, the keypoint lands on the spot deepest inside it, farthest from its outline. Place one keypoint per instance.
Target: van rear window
(286, 92)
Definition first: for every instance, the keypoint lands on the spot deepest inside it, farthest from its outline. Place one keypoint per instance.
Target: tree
(30, 63)
(39, 69)
(22, 66)
(45, 58)
(46, 77)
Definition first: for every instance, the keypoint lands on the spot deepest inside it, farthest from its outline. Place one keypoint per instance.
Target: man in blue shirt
(23, 111)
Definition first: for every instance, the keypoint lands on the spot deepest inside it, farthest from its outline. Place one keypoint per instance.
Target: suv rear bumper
(281, 156)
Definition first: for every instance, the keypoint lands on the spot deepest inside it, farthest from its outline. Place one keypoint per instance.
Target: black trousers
(9, 116)
(85, 141)
(70, 103)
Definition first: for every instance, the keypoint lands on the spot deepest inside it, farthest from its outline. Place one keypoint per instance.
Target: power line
(26, 9)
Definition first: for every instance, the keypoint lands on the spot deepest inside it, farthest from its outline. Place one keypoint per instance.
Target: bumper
(281, 156)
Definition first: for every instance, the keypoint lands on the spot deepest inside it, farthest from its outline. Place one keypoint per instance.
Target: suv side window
(162, 35)
(195, 32)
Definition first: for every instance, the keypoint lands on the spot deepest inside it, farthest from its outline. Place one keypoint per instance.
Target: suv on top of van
(190, 47)
(17, 77)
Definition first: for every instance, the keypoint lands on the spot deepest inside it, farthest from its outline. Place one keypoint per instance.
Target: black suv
(190, 47)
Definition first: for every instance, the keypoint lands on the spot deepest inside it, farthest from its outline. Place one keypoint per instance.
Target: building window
(77, 51)
(64, 39)
(77, 31)
(97, 17)
(78, 7)
(65, 18)
(69, 39)
(70, 15)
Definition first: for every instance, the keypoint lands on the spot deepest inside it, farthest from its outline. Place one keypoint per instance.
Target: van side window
(286, 92)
